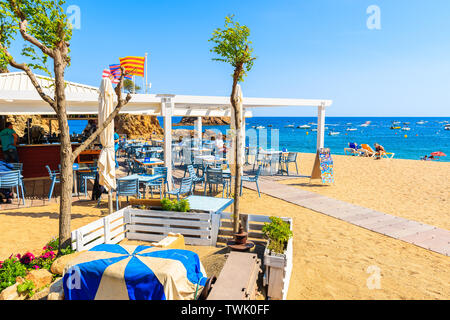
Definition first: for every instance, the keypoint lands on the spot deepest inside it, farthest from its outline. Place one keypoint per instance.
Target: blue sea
(421, 140)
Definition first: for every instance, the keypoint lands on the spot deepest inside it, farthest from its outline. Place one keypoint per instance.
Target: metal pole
(146, 72)
(110, 202)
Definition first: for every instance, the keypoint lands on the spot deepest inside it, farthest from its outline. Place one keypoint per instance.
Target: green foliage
(128, 86)
(46, 22)
(174, 205)
(10, 270)
(54, 244)
(26, 288)
(231, 44)
(279, 233)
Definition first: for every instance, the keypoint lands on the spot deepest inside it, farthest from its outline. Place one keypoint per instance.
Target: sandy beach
(331, 257)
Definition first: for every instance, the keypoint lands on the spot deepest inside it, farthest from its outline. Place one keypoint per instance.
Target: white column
(321, 127)
(167, 107)
(199, 130)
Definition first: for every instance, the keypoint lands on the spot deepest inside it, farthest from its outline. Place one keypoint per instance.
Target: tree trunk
(237, 151)
(66, 157)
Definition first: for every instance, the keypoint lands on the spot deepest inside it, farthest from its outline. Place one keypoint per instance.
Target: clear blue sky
(305, 49)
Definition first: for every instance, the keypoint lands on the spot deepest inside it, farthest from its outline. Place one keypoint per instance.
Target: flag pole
(134, 85)
(146, 72)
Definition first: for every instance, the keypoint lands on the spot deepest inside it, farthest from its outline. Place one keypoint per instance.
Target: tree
(130, 87)
(232, 46)
(46, 32)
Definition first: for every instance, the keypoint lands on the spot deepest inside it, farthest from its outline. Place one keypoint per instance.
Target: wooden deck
(419, 234)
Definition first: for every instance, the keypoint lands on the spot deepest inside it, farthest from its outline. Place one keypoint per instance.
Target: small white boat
(334, 133)
(260, 127)
(290, 126)
(304, 127)
(352, 129)
(447, 127)
(406, 129)
(365, 125)
(421, 122)
(396, 122)
(314, 130)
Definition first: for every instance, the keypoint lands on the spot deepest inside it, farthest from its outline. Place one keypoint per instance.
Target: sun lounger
(387, 155)
(353, 149)
(367, 151)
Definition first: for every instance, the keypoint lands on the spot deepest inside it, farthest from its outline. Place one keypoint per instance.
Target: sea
(426, 135)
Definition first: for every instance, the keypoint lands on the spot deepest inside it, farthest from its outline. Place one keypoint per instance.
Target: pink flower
(27, 258)
(36, 267)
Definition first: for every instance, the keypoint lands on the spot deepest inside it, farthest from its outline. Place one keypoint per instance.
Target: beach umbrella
(106, 162)
(120, 272)
(438, 154)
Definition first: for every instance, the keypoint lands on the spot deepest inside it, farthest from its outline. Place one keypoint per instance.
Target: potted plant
(278, 257)
(174, 205)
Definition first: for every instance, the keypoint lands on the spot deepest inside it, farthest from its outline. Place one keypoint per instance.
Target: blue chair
(215, 178)
(252, 179)
(291, 158)
(195, 178)
(83, 177)
(185, 188)
(10, 180)
(160, 183)
(55, 177)
(127, 188)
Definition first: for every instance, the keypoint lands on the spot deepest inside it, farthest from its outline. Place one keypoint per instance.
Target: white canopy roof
(19, 97)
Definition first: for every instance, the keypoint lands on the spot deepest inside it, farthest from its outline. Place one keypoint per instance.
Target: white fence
(109, 230)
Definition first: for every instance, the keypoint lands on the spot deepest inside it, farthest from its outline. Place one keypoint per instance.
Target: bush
(10, 269)
(174, 205)
(279, 233)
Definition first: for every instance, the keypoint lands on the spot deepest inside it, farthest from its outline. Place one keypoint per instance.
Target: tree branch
(121, 103)
(24, 67)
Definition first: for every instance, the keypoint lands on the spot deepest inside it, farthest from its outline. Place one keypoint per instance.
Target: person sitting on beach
(379, 149)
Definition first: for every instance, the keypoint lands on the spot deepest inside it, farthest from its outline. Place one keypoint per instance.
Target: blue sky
(305, 48)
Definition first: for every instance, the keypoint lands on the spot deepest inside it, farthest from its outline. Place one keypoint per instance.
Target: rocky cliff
(206, 121)
(138, 126)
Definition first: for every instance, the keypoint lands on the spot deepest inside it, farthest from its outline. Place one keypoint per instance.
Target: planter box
(278, 271)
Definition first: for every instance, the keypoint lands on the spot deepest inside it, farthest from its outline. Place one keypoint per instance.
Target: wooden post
(199, 131)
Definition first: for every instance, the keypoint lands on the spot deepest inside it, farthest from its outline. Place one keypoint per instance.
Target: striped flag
(134, 65)
(107, 74)
(116, 72)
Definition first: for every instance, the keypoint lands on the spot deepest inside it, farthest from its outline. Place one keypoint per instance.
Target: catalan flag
(134, 65)
(116, 72)
(107, 74)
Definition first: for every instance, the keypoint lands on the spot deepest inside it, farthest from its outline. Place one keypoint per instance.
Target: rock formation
(136, 126)
(206, 121)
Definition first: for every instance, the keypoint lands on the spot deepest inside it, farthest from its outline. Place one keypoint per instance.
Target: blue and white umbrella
(120, 272)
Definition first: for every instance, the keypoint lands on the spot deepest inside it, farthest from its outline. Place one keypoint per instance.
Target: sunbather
(379, 149)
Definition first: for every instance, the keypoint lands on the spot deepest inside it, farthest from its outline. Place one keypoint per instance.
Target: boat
(290, 126)
(260, 127)
(447, 127)
(365, 125)
(352, 129)
(314, 130)
(334, 133)
(304, 127)
(406, 129)
(421, 122)
(396, 122)
(395, 127)
(270, 126)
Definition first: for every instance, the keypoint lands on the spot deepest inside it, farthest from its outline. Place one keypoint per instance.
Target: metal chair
(214, 177)
(291, 158)
(55, 177)
(185, 188)
(195, 178)
(252, 179)
(83, 177)
(127, 188)
(160, 183)
(10, 180)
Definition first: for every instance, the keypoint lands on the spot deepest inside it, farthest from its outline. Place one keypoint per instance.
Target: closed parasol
(120, 272)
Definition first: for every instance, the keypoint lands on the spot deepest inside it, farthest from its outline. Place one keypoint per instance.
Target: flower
(1, 264)
(36, 267)
(27, 258)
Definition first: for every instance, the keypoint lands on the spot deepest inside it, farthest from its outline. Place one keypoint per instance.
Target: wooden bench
(238, 279)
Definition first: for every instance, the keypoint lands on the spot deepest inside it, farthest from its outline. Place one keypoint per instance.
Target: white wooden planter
(278, 270)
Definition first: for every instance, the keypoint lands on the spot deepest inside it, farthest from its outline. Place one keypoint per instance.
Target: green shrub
(10, 270)
(174, 205)
(279, 233)
(26, 288)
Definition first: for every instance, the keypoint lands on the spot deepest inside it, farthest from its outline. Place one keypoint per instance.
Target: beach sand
(331, 257)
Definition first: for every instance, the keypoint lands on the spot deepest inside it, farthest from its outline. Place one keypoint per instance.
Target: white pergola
(19, 97)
